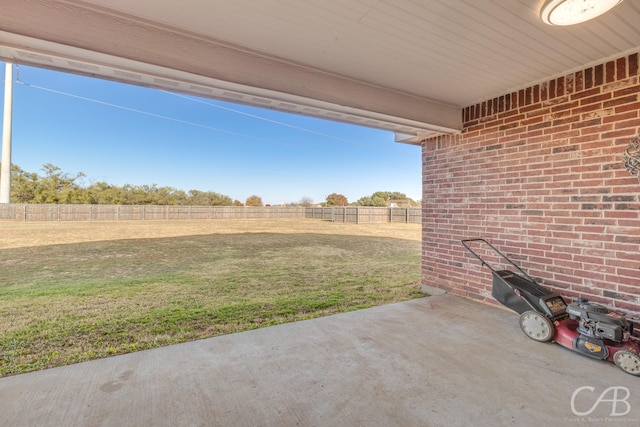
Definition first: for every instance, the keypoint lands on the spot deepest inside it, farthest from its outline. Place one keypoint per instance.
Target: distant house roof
(399, 203)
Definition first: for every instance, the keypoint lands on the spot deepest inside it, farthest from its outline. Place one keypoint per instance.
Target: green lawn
(67, 303)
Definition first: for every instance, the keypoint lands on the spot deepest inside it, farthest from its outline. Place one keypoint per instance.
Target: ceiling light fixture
(570, 12)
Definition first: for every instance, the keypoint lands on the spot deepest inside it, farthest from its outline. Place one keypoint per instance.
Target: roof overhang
(220, 71)
(404, 66)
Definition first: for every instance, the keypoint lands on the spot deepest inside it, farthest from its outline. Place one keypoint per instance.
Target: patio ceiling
(408, 66)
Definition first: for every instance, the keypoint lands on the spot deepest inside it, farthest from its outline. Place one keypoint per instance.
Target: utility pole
(5, 172)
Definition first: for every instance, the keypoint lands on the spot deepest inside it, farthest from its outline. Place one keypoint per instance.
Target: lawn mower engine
(595, 321)
(587, 328)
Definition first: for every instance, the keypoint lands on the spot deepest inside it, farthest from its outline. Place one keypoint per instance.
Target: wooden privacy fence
(33, 212)
(365, 214)
(353, 214)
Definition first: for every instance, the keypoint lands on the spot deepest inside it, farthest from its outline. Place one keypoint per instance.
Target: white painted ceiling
(458, 52)
(406, 65)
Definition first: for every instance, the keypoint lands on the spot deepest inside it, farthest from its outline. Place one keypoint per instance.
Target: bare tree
(306, 201)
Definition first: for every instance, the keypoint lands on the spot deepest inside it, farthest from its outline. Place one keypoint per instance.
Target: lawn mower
(582, 326)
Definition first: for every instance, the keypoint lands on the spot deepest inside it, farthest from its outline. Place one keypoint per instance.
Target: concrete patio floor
(435, 361)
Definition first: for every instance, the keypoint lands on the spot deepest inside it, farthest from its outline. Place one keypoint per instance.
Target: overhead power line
(215, 129)
(159, 116)
(254, 116)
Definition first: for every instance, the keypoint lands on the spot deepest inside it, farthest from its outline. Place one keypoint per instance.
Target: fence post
(25, 213)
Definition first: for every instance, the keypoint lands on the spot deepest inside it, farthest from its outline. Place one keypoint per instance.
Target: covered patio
(435, 361)
(521, 125)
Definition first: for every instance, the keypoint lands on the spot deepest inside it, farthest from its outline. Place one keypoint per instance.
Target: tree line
(379, 198)
(57, 187)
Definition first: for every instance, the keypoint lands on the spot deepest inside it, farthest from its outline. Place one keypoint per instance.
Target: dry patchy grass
(79, 291)
(17, 234)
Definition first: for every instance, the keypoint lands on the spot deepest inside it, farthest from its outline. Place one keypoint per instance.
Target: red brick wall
(539, 173)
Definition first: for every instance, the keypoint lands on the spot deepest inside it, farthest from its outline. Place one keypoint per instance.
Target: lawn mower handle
(484, 263)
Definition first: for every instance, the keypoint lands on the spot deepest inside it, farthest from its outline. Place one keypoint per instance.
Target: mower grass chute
(582, 326)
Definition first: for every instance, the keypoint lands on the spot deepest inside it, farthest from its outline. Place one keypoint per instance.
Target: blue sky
(148, 136)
